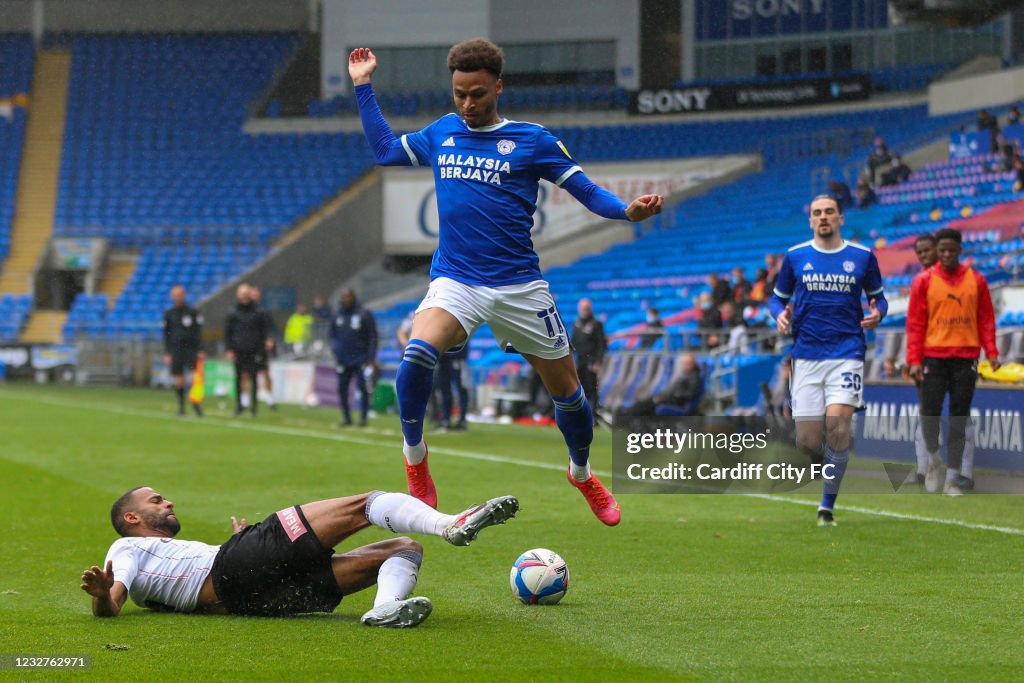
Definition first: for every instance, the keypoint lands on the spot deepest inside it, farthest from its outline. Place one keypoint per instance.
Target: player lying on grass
(282, 565)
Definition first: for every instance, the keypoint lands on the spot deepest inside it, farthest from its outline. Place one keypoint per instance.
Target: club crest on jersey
(848, 266)
(506, 146)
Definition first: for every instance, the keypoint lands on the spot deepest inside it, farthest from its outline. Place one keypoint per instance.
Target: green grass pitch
(688, 587)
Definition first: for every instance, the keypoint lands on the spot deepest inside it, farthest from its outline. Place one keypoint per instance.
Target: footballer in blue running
(818, 299)
(485, 270)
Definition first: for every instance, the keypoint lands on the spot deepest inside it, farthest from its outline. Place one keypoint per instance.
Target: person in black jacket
(590, 343)
(451, 383)
(681, 398)
(265, 386)
(183, 340)
(354, 343)
(246, 338)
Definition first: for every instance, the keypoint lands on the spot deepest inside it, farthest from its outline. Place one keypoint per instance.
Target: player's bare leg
(393, 565)
(838, 419)
(576, 422)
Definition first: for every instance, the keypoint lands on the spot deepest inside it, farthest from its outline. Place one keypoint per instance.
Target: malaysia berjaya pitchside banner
(410, 205)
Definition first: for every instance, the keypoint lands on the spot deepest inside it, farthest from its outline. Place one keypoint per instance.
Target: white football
(539, 577)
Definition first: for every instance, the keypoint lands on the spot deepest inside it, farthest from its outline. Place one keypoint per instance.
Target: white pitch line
(472, 455)
(234, 423)
(896, 515)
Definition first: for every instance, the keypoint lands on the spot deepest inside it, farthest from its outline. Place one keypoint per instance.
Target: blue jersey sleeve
(418, 145)
(387, 149)
(594, 197)
(873, 287)
(551, 159)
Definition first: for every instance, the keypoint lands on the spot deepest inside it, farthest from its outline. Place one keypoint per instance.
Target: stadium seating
(155, 158)
(739, 223)
(14, 311)
(161, 145)
(588, 96)
(138, 311)
(16, 59)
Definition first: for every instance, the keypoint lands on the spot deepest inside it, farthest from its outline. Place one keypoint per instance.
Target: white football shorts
(817, 384)
(522, 315)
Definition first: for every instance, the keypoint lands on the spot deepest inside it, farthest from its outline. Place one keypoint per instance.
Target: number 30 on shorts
(851, 380)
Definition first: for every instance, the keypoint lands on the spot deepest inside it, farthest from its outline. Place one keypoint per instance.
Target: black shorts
(250, 362)
(183, 360)
(276, 568)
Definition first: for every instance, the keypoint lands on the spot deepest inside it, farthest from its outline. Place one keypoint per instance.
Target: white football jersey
(162, 572)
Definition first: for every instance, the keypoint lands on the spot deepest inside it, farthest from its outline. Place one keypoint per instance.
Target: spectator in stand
(732, 321)
(654, 330)
(897, 173)
(760, 291)
(679, 399)
(1013, 118)
(771, 264)
(865, 193)
(740, 286)
(1008, 154)
(710, 323)
(878, 158)
(1018, 169)
(988, 122)
(298, 330)
(841, 192)
(721, 290)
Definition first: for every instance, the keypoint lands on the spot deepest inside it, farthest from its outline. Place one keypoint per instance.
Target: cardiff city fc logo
(506, 146)
(848, 266)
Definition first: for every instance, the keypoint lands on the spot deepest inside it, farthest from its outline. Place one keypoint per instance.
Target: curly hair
(476, 54)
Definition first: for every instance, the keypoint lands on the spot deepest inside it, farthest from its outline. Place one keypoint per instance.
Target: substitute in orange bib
(949, 320)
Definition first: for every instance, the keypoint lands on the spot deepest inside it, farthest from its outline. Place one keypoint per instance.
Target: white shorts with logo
(522, 315)
(820, 383)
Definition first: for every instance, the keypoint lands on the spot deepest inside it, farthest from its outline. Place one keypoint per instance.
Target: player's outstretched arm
(644, 206)
(387, 148)
(607, 205)
(108, 596)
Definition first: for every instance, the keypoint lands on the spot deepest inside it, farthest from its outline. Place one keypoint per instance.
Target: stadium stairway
(44, 327)
(40, 169)
(119, 270)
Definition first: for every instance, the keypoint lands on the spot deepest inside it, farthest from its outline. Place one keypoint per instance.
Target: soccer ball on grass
(539, 577)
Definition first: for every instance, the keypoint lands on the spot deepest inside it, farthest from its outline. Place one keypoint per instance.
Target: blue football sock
(838, 460)
(413, 383)
(576, 422)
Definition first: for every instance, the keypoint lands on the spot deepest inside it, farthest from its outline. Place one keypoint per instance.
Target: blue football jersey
(825, 289)
(486, 180)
